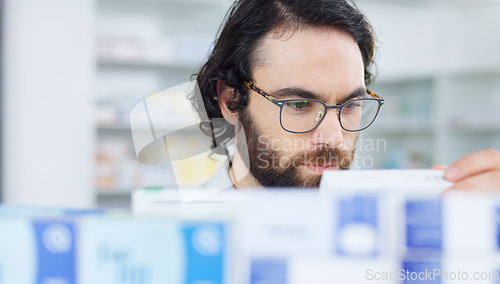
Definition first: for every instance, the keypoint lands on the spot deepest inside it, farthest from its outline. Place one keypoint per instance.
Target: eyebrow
(294, 92)
(299, 92)
(359, 92)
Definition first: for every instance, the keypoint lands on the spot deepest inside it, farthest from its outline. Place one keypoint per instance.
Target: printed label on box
(424, 224)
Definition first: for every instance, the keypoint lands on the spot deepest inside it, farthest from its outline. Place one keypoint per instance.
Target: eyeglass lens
(304, 115)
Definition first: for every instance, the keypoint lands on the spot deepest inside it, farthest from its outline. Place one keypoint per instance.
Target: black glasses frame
(281, 103)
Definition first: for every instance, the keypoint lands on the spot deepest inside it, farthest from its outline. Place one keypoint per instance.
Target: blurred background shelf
(148, 64)
(114, 192)
(398, 130)
(189, 3)
(142, 48)
(493, 130)
(434, 90)
(85, 64)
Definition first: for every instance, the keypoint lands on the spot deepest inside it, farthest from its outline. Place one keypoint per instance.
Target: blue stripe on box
(268, 271)
(497, 218)
(205, 250)
(83, 212)
(424, 224)
(55, 242)
(429, 272)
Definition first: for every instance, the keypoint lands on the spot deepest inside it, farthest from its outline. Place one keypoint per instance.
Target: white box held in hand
(429, 182)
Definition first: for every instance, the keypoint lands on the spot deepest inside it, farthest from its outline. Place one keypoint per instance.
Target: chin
(309, 179)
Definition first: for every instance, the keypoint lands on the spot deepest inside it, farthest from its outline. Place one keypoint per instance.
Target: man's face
(324, 62)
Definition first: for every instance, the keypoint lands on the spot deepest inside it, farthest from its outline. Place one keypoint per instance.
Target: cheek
(350, 139)
(265, 114)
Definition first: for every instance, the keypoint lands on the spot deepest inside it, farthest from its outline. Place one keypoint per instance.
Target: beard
(271, 169)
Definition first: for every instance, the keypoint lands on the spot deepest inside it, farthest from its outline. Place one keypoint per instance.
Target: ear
(225, 95)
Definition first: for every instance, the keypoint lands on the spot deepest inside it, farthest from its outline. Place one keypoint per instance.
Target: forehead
(327, 62)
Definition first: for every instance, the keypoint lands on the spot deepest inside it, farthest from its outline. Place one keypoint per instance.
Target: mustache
(324, 156)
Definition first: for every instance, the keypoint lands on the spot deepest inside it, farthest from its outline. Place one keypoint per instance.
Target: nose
(329, 132)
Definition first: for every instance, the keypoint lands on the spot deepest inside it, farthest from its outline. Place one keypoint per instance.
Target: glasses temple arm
(259, 91)
(373, 95)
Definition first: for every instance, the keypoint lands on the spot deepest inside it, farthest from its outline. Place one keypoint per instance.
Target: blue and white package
(38, 251)
(282, 223)
(358, 230)
(283, 235)
(274, 226)
(313, 269)
(139, 251)
(462, 225)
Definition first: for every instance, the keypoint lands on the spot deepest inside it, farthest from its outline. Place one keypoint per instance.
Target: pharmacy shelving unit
(439, 74)
(441, 81)
(437, 119)
(142, 47)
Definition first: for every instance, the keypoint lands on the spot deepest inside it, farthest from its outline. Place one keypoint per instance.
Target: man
(292, 75)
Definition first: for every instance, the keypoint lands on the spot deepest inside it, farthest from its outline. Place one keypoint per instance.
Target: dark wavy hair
(235, 50)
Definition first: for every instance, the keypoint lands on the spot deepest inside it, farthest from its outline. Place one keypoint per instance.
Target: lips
(320, 169)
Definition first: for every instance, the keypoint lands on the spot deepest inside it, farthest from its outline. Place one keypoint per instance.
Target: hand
(477, 171)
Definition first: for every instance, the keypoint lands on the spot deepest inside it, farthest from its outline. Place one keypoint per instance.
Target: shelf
(114, 192)
(392, 78)
(491, 129)
(114, 199)
(400, 131)
(477, 122)
(113, 127)
(126, 128)
(149, 64)
(186, 2)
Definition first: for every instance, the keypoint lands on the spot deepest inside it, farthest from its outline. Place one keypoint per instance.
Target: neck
(240, 174)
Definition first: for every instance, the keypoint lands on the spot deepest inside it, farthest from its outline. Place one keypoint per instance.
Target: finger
(485, 181)
(438, 167)
(473, 164)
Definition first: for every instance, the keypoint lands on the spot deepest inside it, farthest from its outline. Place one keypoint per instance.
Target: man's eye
(298, 105)
(352, 105)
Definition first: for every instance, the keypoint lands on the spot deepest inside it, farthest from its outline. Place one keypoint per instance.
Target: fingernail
(452, 173)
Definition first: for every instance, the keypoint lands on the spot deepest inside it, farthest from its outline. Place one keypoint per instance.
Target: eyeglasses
(304, 115)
